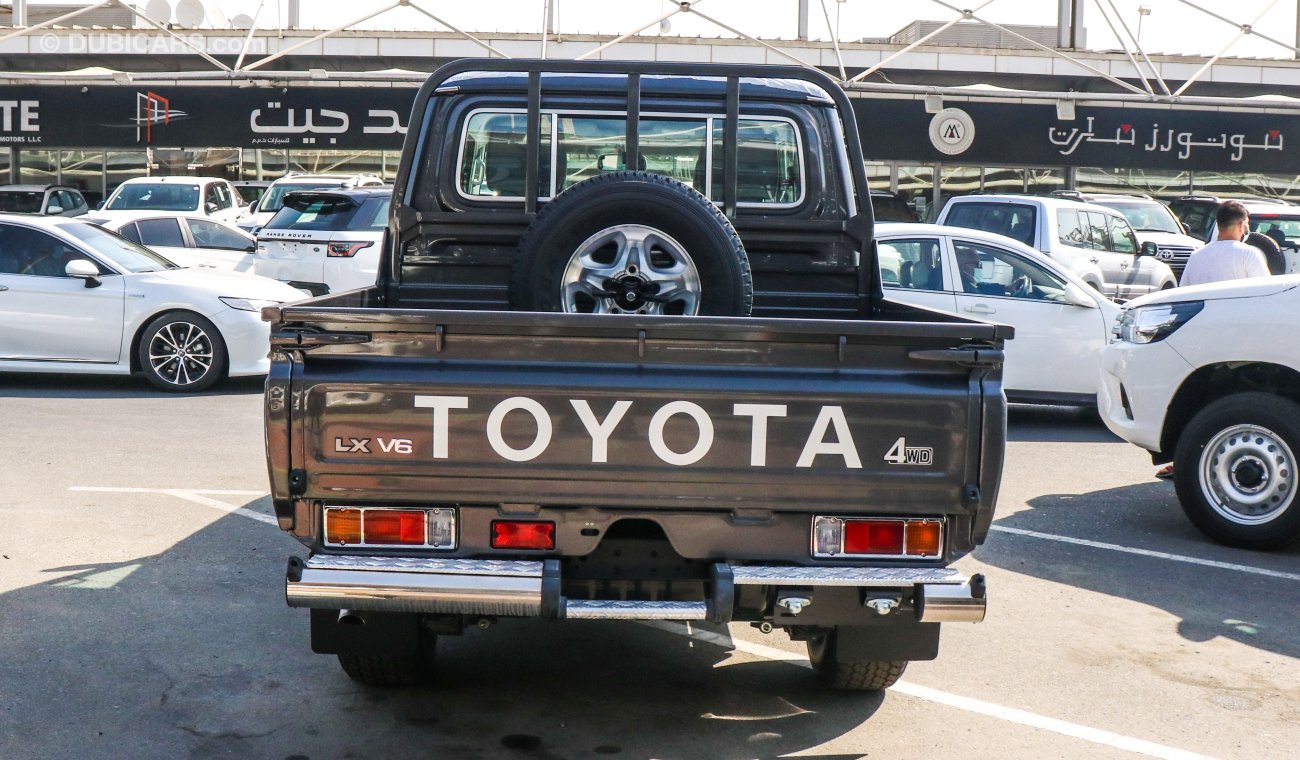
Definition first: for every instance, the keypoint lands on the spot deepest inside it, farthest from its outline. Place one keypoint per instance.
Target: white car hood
(1252, 287)
(1168, 238)
(229, 284)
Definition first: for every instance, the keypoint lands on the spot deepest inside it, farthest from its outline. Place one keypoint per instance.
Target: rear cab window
(1017, 221)
(491, 156)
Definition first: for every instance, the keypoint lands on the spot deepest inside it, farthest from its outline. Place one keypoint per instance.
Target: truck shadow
(1253, 609)
(1056, 424)
(192, 652)
(27, 385)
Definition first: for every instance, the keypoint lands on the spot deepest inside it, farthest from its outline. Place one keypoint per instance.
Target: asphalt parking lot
(142, 616)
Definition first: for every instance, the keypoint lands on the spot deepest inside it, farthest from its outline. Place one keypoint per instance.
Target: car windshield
(273, 200)
(890, 208)
(314, 211)
(1146, 217)
(157, 197)
(21, 201)
(119, 250)
(1013, 220)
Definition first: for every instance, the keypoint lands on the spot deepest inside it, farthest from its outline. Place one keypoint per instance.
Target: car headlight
(247, 304)
(1150, 324)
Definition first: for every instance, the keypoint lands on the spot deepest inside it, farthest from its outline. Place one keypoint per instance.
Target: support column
(1069, 24)
(294, 14)
(803, 19)
(20, 13)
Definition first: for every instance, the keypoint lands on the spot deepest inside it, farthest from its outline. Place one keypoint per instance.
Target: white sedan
(75, 299)
(186, 239)
(1061, 323)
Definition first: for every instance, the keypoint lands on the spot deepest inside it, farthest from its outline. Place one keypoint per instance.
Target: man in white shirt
(1227, 258)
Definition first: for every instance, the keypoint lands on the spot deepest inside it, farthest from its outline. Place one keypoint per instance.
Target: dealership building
(944, 108)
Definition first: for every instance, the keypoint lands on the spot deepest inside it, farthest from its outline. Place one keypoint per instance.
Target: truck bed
(897, 416)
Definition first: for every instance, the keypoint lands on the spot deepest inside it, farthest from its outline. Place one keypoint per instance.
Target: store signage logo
(153, 109)
(952, 131)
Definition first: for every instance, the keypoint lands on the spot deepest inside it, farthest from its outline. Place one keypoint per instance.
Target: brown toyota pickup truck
(628, 357)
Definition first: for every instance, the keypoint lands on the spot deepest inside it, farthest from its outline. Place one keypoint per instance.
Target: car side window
(210, 198)
(161, 232)
(912, 263)
(130, 233)
(31, 252)
(212, 235)
(1098, 233)
(224, 198)
(992, 271)
(1070, 230)
(1122, 239)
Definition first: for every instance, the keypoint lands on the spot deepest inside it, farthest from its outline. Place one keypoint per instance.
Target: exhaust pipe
(965, 603)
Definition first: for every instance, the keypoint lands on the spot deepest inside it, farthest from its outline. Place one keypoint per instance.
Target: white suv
(206, 196)
(261, 211)
(1094, 242)
(324, 241)
(1208, 377)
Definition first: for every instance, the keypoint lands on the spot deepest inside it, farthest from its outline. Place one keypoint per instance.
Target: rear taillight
(877, 537)
(383, 526)
(519, 534)
(346, 250)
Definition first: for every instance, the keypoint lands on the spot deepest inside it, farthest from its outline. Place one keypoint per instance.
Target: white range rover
(1208, 377)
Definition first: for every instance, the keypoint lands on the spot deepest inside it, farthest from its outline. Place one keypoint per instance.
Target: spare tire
(632, 242)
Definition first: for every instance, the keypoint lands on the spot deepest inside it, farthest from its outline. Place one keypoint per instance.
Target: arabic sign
(1129, 137)
(202, 117)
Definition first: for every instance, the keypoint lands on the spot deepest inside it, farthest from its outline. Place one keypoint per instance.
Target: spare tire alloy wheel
(631, 269)
(632, 242)
(182, 352)
(1236, 471)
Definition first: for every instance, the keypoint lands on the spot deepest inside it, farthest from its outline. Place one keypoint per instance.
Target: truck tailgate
(662, 412)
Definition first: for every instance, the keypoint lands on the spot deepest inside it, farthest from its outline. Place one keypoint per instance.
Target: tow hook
(793, 604)
(882, 606)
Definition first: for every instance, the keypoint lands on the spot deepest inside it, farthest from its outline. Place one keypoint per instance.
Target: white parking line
(1009, 714)
(194, 495)
(1149, 553)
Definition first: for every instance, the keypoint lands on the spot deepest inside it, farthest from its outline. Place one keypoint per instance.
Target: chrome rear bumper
(532, 588)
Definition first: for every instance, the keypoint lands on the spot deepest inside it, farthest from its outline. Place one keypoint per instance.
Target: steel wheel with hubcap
(182, 352)
(1235, 470)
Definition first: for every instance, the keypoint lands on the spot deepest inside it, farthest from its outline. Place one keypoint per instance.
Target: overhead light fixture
(1065, 110)
(933, 103)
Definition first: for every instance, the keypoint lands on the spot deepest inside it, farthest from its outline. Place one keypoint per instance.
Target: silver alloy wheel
(631, 269)
(181, 353)
(1248, 474)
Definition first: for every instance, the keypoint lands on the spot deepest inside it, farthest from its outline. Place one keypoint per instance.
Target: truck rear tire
(851, 676)
(1235, 470)
(383, 670)
(389, 670)
(632, 242)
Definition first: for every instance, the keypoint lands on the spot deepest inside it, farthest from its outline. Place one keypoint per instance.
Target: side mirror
(54, 209)
(100, 206)
(210, 207)
(252, 207)
(1077, 296)
(82, 269)
(1149, 248)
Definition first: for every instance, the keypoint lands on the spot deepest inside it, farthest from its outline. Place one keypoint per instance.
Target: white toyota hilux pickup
(1208, 377)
